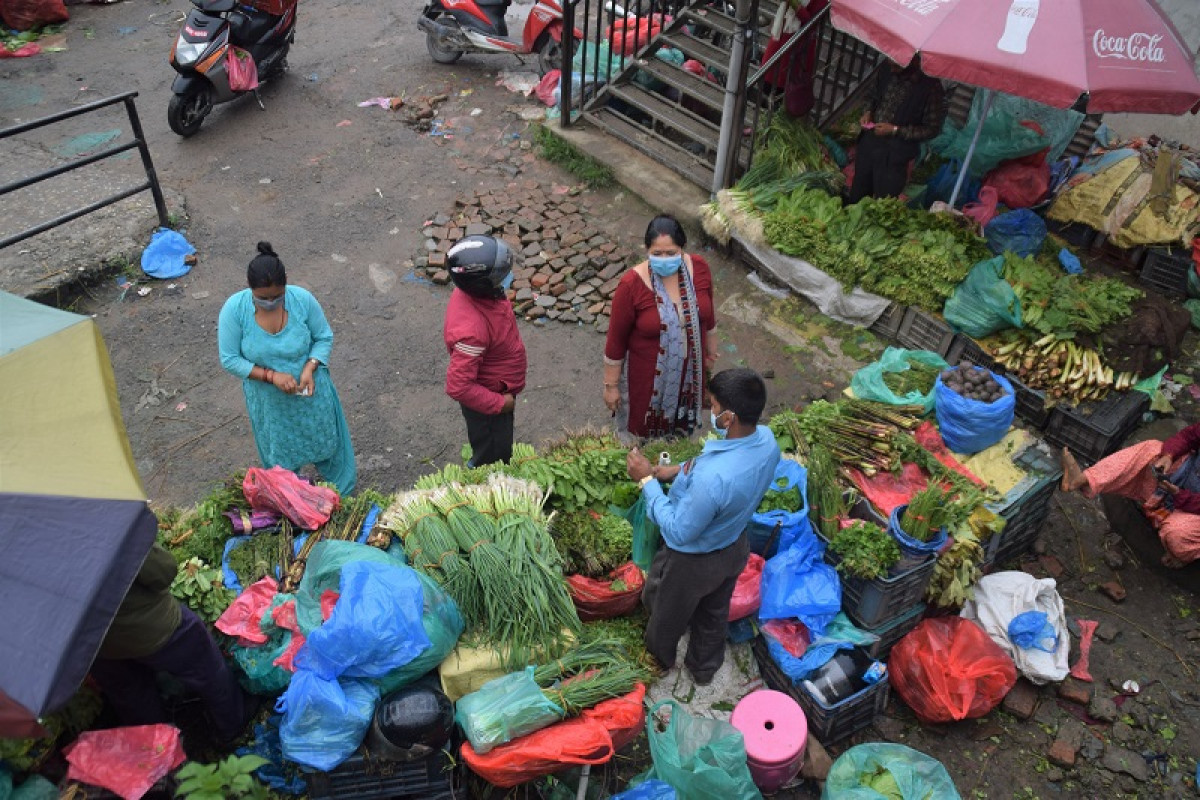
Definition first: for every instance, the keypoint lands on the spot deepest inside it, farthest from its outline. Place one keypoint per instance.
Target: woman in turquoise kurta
(276, 339)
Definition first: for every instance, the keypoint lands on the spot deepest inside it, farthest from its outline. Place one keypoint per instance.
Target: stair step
(706, 53)
(710, 18)
(671, 115)
(666, 153)
(707, 92)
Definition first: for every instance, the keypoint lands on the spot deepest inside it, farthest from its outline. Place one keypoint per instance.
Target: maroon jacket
(1184, 443)
(487, 356)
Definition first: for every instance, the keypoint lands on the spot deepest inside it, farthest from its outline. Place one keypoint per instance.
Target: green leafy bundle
(777, 498)
(200, 588)
(255, 558)
(917, 378)
(927, 513)
(1058, 303)
(201, 532)
(231, 778)
(866, 550)
(592, 544)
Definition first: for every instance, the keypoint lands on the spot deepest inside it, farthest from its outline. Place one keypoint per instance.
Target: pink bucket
(776, 732)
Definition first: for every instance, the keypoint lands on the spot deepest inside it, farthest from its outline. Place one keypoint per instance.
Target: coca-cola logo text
(1134, 47)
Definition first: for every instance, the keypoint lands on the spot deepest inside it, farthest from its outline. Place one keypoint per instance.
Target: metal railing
(139, 142)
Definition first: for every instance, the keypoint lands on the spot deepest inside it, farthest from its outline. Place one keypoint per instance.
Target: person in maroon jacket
(1163, 476)
(487, 356)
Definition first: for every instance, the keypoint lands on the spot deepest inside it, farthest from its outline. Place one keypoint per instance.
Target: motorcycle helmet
(480, 265)
(410, 724)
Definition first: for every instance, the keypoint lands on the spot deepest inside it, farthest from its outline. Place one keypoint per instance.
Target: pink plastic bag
(126, 761)
(791, 633)
(283, 491)
(243, 616)
(329, 599)
(243, 72)
(284, 615)
(1019, 184)
(547, 86)
(983, 211)
(747, 594)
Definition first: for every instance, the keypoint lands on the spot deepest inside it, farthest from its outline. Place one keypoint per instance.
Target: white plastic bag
(1002, 596)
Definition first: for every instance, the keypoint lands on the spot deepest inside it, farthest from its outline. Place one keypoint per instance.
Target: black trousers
(490, 435)
(691, 592)
(880, 167)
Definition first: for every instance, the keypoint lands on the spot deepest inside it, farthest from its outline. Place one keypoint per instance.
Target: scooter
(454, 27)
(201, 56)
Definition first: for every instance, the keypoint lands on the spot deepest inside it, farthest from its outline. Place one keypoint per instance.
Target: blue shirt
(715, 494)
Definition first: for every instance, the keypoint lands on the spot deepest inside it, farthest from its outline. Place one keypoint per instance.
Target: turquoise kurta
(290, 430)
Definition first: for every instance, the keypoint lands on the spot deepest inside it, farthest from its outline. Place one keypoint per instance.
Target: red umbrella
(1124, 54)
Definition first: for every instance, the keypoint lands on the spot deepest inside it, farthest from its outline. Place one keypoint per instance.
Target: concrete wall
(1186, 16)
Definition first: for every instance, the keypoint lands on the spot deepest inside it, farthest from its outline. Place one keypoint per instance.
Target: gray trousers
(691, 592)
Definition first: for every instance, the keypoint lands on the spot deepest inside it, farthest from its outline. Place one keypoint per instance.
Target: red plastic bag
(1019, 185)
(791, 633)
(623, 717)
(329, 599)
(24, 51)
(948, 669)
(628, 35)
(126, 761)
(283, 491)
(984, 210)
(284, 615)
(747, 594)
(243, 616)
(22, 15)
(547, 86)
(243, 72)
(596, 599)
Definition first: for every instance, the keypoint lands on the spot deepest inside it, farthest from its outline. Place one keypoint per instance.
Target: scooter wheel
(440, 53)
(186, 112)
(550, 54)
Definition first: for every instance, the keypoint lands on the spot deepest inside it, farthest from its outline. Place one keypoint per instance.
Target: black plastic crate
(964, 348)
(1093, 431)
(829, 724)
(1025, 506)
(1166, 270)
(1019, 536)
(894, 631)
(1076, 234)
(923, 331)
(1031, 404)
(1126, 258)
(876, 602)
(888, 324)
(363, 777)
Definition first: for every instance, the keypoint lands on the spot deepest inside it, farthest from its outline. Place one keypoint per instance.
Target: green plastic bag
(868, 384)
(888, 772)
(984, 303)
(503, 709)
(646, 536)
(261, 674)
(35, 787)
(702, 758)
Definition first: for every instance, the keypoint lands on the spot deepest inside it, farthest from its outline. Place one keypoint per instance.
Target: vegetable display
(918, 378)
(956, 572)
(777, 498)
(973, 382)
(590, 543)
(1053, 302)
(928, 512)
(858, 433)
(200, 588)
(1063, 369)
(827, 503)
(865, 549)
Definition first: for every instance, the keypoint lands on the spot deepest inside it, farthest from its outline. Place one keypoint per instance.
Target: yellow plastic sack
(468, 668)
(994, 465)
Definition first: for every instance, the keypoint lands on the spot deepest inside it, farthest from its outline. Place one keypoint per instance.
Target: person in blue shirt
(703, 521)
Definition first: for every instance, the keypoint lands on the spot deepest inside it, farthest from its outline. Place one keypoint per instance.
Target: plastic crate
(1126, 258)
(894, 631)
(923, 331)
(876, 602)
(1091, 436)
(964, 348)
(888, 324)
(829, 724)
(1025, 506)
(362, 777)
(1166, 270)
(1076, 234)
(1031, 404)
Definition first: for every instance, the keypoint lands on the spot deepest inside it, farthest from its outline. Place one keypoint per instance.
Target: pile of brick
(565, 270)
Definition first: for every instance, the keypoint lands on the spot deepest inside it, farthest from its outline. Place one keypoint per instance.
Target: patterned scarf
(678, 391)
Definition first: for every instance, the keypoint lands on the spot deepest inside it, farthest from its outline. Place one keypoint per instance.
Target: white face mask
(712, 418)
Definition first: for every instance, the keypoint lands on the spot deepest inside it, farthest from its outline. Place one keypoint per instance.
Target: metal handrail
(139, 141)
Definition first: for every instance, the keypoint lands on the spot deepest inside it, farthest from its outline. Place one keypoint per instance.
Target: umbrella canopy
(74, 526)
(1124, 54)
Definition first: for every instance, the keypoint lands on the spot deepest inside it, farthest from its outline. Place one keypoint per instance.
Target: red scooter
(454, 27)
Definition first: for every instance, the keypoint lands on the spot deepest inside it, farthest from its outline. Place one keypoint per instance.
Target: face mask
(507, 282)
(712, 418)
(666, 265)
(268, 305)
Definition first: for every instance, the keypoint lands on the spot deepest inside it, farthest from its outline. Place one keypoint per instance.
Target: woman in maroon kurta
(658, 336)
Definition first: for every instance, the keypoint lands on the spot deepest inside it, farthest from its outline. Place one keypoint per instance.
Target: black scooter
(202, 51)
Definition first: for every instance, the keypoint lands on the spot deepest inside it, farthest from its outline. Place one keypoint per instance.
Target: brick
(1052, 565)
(596, 308)
(557, 290)
(609, 287)
(478, 229)
(441, 277)
(556, 279)
(1075, 691)
(531, 236)
(816, 761)
(1022, 700)
(613, 270)
(437, 260)
(535, 261)
(1062, 754)
(1113, 591)
(539, 280)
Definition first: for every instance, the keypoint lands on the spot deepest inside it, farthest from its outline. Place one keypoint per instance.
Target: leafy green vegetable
(590, 543)
(231, 778)
(779, 499)
(200, 588)
(866, 550)
(1055, 302)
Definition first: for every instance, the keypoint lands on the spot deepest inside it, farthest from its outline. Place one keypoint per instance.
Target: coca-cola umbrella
(1123, 55)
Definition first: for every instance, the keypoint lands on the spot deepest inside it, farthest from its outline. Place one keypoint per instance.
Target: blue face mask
(507, 282)
(666, 265)
(712, 418)
(268, 305)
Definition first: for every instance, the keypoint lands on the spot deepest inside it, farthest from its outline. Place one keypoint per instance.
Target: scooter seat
(215, 6)
(249, 26)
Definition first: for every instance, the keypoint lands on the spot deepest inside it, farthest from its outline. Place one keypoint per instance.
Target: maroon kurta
(633, 332)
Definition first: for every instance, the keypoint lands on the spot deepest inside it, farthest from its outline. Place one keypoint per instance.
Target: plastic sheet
(126, 761)
(261, 674)
(887, 772)
(596, 599)
(166, 255)
(797, 583)
(323, 573)
(702, 758)
(984, 302)
(324, 720)
(868, 383)
(968, 426)
(283, 491)
(1019, 184)
(443, 624)
(1021, 232)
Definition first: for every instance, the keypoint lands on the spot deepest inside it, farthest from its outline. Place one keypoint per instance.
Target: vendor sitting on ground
(703, 522)
(153, 632)
(1163, 476)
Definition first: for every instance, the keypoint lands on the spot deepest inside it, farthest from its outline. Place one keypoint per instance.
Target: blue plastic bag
(652, 789)
(1070, 262)
(1031, 630)
(375, 626)
(165, 256)
(792, 525)
(266, 744)
(841, 634)
(968, 426)
(941, 186)
(324, 720)
(910, 545)
(914, 775)
(324, 571)
(984, 303)
(1021, 232)
(798, 583)
(443, 624)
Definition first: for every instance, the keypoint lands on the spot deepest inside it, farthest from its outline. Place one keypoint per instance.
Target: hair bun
(266, 249)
